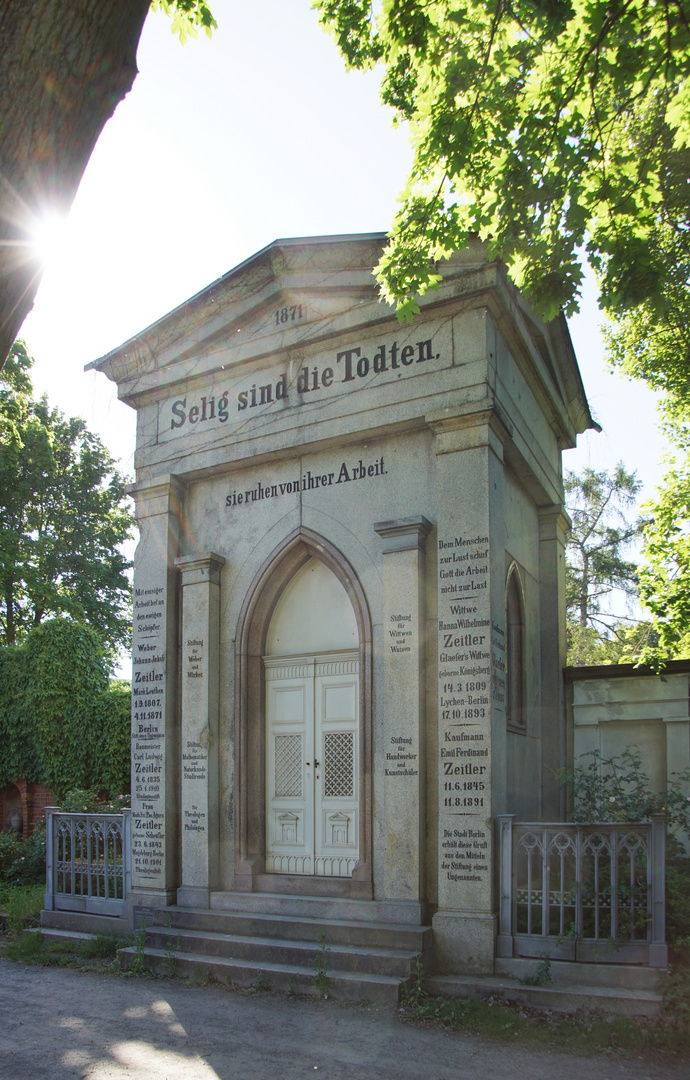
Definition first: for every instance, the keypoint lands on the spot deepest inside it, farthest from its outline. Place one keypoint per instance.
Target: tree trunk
(9, 608)
(63, 69)
(584, 592)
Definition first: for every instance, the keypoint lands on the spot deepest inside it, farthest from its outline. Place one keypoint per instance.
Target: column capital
(554, 522)
(404, 534)
(163, 496)
(472, 424)
(202, 568)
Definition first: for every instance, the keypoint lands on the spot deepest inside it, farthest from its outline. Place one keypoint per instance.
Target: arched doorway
(12, 810)
(312, 728)
(303, 672)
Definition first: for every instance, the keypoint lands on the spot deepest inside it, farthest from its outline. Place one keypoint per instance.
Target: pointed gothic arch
(261, 600)
(515, 651)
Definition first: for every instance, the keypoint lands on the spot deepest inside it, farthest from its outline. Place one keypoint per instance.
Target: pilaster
(199, 727)
(471, 726)
(554, 525)
(155, 735)
(404, 786)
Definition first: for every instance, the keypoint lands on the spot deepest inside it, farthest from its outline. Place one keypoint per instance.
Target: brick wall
(32, 799)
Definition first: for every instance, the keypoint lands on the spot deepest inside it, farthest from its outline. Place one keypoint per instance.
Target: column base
(193, 896)
(658, 956)
(141, 901)
(464, 944)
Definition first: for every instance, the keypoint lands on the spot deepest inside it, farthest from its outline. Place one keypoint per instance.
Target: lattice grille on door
(338, 760)
(288, 751)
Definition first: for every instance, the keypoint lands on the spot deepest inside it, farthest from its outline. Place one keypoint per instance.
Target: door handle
(316, 763)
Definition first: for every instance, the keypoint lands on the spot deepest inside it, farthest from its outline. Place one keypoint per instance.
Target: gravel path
(61, 1024)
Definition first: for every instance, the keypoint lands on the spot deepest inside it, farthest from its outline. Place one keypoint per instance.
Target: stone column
(404, 785)
(554, 525)
(471, 731)
(155, 735)
(199, 808)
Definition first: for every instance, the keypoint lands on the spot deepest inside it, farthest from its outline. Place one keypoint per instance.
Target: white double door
(312, 757)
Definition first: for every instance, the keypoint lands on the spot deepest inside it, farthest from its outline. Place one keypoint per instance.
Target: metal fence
(88, 862)
(590, 892)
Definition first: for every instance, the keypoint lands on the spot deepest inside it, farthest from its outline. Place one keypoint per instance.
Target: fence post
(658, 950)
(579, 881)
(126, 853)
(50, 859)
(504, 943)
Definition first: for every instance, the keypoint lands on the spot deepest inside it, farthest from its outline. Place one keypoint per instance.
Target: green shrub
(11, 848)
(678, 901)
(63, 721)
(29, 865)
(618, 789)
(89, 801)
(81, 801)
(21, 904)
(23, 862)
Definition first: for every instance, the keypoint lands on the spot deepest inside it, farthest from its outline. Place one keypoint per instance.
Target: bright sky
(221, 147)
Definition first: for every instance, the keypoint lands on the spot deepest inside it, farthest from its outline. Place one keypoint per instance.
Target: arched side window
(515, 651)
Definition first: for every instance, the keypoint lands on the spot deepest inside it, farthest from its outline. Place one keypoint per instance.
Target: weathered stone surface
(294, 418)
(622, 706)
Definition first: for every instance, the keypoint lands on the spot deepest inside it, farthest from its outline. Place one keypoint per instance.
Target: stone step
(85, 922)
(320, 907)
(297, 928)
(567, 973)
(75, 937)
(291, 978)
(276, 950)
(562, 998)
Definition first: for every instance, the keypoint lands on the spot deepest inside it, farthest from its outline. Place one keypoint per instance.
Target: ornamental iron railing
(88, 865)
(590, 892)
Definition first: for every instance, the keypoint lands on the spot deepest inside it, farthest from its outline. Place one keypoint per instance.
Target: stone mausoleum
(349, 620)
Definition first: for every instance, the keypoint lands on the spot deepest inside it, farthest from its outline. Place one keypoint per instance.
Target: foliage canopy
(665, 573)
(600, 505)
(62, 722)
(545, 127)
(187, 17)
(63, 516)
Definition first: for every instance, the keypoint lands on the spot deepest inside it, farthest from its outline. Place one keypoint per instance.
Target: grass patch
(96, 954)
(24, 948)
(102, 947)
(21, 905)
(519, 1024)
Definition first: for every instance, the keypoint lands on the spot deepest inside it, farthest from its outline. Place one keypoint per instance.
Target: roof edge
(620, 671)
(281, 242)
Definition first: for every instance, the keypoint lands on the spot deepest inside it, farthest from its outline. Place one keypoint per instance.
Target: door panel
(312, 707)
(289, 783)
(336, 825)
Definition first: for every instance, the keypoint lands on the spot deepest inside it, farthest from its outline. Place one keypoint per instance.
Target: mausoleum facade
(349, 611)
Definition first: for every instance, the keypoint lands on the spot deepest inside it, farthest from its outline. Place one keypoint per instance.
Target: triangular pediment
(290, 292)
(273, 312)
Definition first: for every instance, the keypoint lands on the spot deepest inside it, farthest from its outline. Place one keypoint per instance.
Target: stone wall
(30, 799)
(611, 708)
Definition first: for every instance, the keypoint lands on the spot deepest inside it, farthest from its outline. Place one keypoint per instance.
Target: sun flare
(48, 238)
